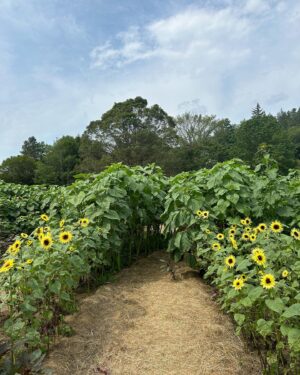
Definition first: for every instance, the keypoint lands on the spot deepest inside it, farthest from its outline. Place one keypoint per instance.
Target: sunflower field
(238, 226)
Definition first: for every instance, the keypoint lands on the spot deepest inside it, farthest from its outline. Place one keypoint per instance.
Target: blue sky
(65, 62)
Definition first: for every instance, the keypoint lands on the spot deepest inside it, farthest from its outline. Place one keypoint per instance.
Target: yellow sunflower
(207, 231)
(295, 233)
(259, 258)
(29, 243)
(245, 236)
(38, 231)
(17, 244)
(233, 226)
(216, 246)
(238, 283)
(252, 237)
(46, 242)
(199, 213)
(46, 229)
(24, 235)
(248, 229)
(267, 281)
(84, 222)
(12, 250)
(7, 265)
(244, 277)
(285, 273)
(220, 236)
(205, 214)
(234, 243)
(29, 261)
(276, 226)
(61, 223)
(230, 261)
(262, 227)
(232, 231)
(44, 217)
(65, 237)
(243, 222)
(257, 250)
(248, 221)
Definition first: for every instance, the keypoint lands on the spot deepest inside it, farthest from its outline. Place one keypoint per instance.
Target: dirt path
(145, 323)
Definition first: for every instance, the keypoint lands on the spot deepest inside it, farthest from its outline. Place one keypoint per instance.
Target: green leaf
(239, 318)
(293, 310)
(276, 305)
(264, 327)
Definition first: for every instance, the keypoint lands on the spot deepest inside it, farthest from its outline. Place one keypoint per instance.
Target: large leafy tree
(34, 149)
(130, 132)
(58, 164)
(18, 169)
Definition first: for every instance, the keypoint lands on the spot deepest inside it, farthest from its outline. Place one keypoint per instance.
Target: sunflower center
(268, 281)
(65, 237)
(259, 257)
(46, 242)
(276, 226)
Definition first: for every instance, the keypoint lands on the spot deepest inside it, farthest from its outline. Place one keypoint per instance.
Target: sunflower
(61, 223)
(46, 242)
(207, 231)
(233, 226)
(46, 229)
(285, 273)
(29, 261)
(38, 231)
(267, 281)
(244, 277)
(29, 243)
(295, 233)
(243, 222)
(84, 222)
(24, 235)
(12, 250)
(7, 265)
(238, 283)
(41, 236)
(245, 236)
(216, 246)
(17, 244)
(230, 261)
(220, 236)
(199, 213)
(259, 258)
(234, 243)
(276, 226)
(44, 217)
(262, 227)
(205, 214)
(257, 250)
(252, 237)
(248, 221)
(65, 237)
(248, 229)
(232, 231)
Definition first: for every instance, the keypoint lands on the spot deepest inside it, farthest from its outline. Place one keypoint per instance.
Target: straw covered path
(146, 323)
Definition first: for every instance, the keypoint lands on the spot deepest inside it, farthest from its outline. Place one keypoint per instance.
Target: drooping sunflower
(44, 217)
(41, 236)
(230, 261)
(216, 246)
(268, 281)
(65, 237)
(46, 242)
(276, 226)
(24, 235)
(7, 265)
(238, 283)
(220, 236)
(234, 243)
(285, 273)
(259, 258)
(205, 214)
(262, 227)
(84, 222)
(199, 213)
(295, 233)
(61, 223)
(245, 236)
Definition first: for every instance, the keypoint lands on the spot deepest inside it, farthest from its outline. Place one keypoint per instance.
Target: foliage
(18, 169)
(203, 212)
(92, 228)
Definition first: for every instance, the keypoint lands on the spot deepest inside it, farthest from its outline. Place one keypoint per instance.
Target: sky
(63, 63)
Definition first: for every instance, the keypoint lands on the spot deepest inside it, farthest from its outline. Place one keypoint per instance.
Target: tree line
(137, 134)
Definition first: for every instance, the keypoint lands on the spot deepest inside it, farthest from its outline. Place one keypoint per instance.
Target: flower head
(276, 226)
(230, 261)
(245, 236)
(46, 242)
(262, 227)
(268, 281)
(216, 246)
(65, 237)
(199, 213)
(44, 217)
(259, 258)
(61, 223)
(238, 283)
(220, 236)
(24, 235)
(84, 222)
(205, 214)
(295, 233)
(285, 273)
(7, 265)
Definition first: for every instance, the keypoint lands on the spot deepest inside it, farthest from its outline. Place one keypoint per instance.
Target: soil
(145, 323)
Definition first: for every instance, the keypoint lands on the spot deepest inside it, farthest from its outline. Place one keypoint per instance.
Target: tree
(257, 111)
(34, 149)
(58, 164)
(131, 132)
(18, 169)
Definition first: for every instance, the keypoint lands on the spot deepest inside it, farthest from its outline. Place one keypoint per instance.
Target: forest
(134, 133)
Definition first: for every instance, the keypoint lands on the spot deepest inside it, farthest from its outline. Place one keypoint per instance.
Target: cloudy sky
(65, 62)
